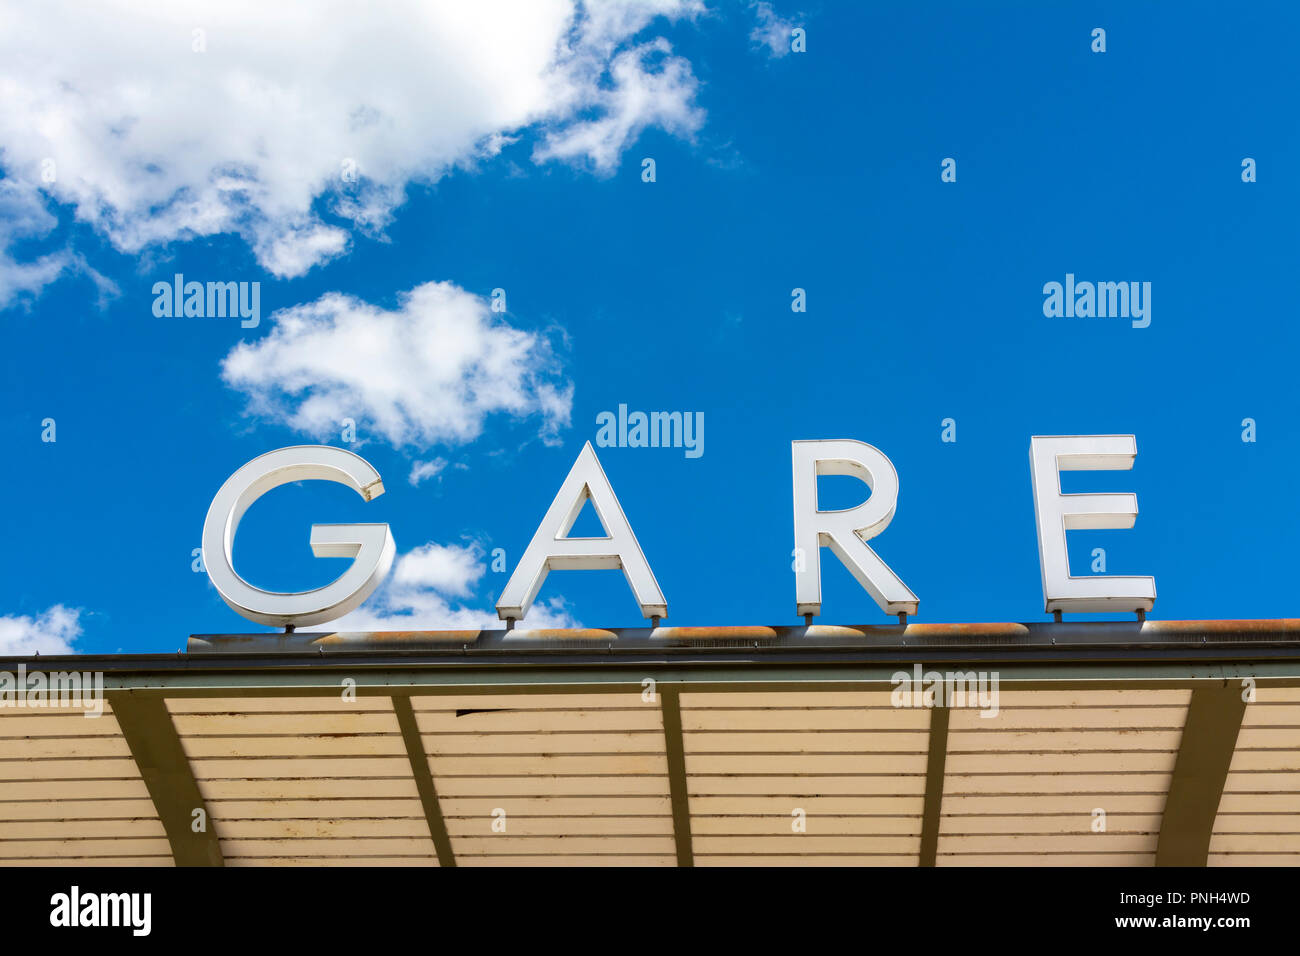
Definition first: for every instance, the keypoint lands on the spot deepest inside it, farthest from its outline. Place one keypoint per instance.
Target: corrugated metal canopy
(1111, 745)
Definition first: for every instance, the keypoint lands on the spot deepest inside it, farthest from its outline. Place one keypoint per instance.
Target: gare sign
(845, 532)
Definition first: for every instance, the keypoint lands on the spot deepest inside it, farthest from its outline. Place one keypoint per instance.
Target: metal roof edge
(1282, 631)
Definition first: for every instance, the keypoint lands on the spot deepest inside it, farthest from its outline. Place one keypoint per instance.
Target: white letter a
(552, 549)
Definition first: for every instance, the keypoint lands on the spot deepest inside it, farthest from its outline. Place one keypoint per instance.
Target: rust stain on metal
(738, 632)
(967, 630)
(398, 637)
(1287, 625)
(563, 634)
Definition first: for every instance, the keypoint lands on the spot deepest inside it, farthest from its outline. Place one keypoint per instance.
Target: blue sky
(774, 170)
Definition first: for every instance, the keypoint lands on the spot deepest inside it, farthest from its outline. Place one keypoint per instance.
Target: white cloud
(24, 216)
(424, 593)
(449, 569)
(424, 470)
(258, 133)
(22, 211)
(770, 30)
(25, 280)
(431, 370)
(641, 96)
(52, 632)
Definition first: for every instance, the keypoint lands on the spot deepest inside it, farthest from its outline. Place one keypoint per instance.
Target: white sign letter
(370, 545)
(845, 532)
(1056, 514)
(552, 549)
